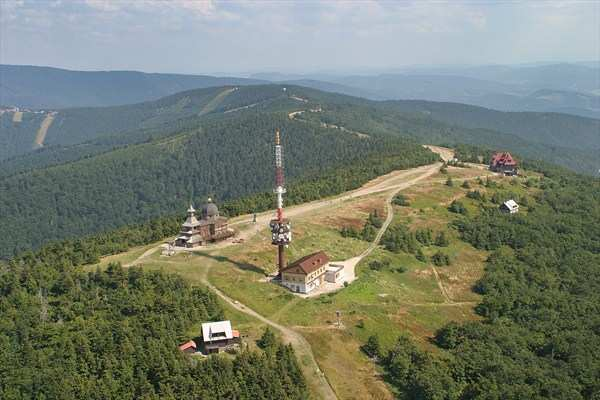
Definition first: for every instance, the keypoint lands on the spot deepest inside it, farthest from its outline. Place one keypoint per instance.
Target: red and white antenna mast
(281, 229)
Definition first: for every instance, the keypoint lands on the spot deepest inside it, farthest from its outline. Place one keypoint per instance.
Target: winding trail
(393, 182)
(301, 346)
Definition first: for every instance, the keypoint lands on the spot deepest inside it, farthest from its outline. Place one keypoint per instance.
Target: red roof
(309, 263)
(235, 333)
(502, 159)
(187, 345)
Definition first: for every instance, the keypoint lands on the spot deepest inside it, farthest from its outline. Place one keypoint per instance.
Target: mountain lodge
(305, 274)
(503, 162)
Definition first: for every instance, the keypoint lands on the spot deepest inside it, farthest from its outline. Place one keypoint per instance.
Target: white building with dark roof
(510, 207)
(218, 336)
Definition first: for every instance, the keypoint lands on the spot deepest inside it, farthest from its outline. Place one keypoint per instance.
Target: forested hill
(78, 125)
(80, 132)
(46, 87)
(547, 128)
(538, 336)
(226, 159)
(217, 141)
(113, 334)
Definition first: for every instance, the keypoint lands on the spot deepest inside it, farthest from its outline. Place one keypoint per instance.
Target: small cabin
(509, 207)
(218, 336)
(189, 347)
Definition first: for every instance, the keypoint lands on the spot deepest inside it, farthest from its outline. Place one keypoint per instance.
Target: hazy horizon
(240, 38)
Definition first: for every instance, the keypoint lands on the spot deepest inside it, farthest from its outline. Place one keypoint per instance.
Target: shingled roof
(309, 263)
(503, 158)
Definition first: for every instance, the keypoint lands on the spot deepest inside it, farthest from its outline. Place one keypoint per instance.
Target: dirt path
(43, 130)
(393, 182)
(441, 286)
(147, 253)
(445, 153)
(397, 180)
(301, 346)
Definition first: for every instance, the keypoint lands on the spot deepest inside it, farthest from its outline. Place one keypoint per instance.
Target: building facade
(211, 227)
(333, 273)
(305, 274)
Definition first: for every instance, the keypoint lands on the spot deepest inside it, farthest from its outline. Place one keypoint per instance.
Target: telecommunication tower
(281, 229)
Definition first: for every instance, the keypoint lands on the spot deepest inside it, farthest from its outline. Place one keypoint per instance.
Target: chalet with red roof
(503, 162)
(305, 274)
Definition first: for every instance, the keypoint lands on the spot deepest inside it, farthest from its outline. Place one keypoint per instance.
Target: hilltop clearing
(101, 168)
(237, 272)
(456, 287)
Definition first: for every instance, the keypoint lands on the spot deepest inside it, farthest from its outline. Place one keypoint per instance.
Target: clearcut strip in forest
(214, 103)
(41, 134)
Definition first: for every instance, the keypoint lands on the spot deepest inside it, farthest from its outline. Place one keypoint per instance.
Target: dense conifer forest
(226, 160)
(539, 337)
(70, 334)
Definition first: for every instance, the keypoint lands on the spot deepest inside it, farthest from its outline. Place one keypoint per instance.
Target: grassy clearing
(385, 302)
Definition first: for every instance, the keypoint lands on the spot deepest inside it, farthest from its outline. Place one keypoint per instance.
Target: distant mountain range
(46, 87)
(566, 88)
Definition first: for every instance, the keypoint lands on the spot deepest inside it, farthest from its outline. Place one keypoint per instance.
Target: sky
(239, 37)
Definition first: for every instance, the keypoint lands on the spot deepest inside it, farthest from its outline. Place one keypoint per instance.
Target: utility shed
(333, 273)
(510, 207)
(188, 347)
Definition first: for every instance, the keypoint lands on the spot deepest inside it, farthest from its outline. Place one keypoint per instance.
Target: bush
(400, 200)
(377, 265)
(440, 259)
(449, 182)
(420, 256)
(441, 240)
(476, 195)
(372, 348)
(457, 207)
(267, 340)
(424, 236)
(466, 185)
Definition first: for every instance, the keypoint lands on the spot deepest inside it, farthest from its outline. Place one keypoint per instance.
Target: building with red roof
(189, 347)
(305, 274)
(503, 162)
